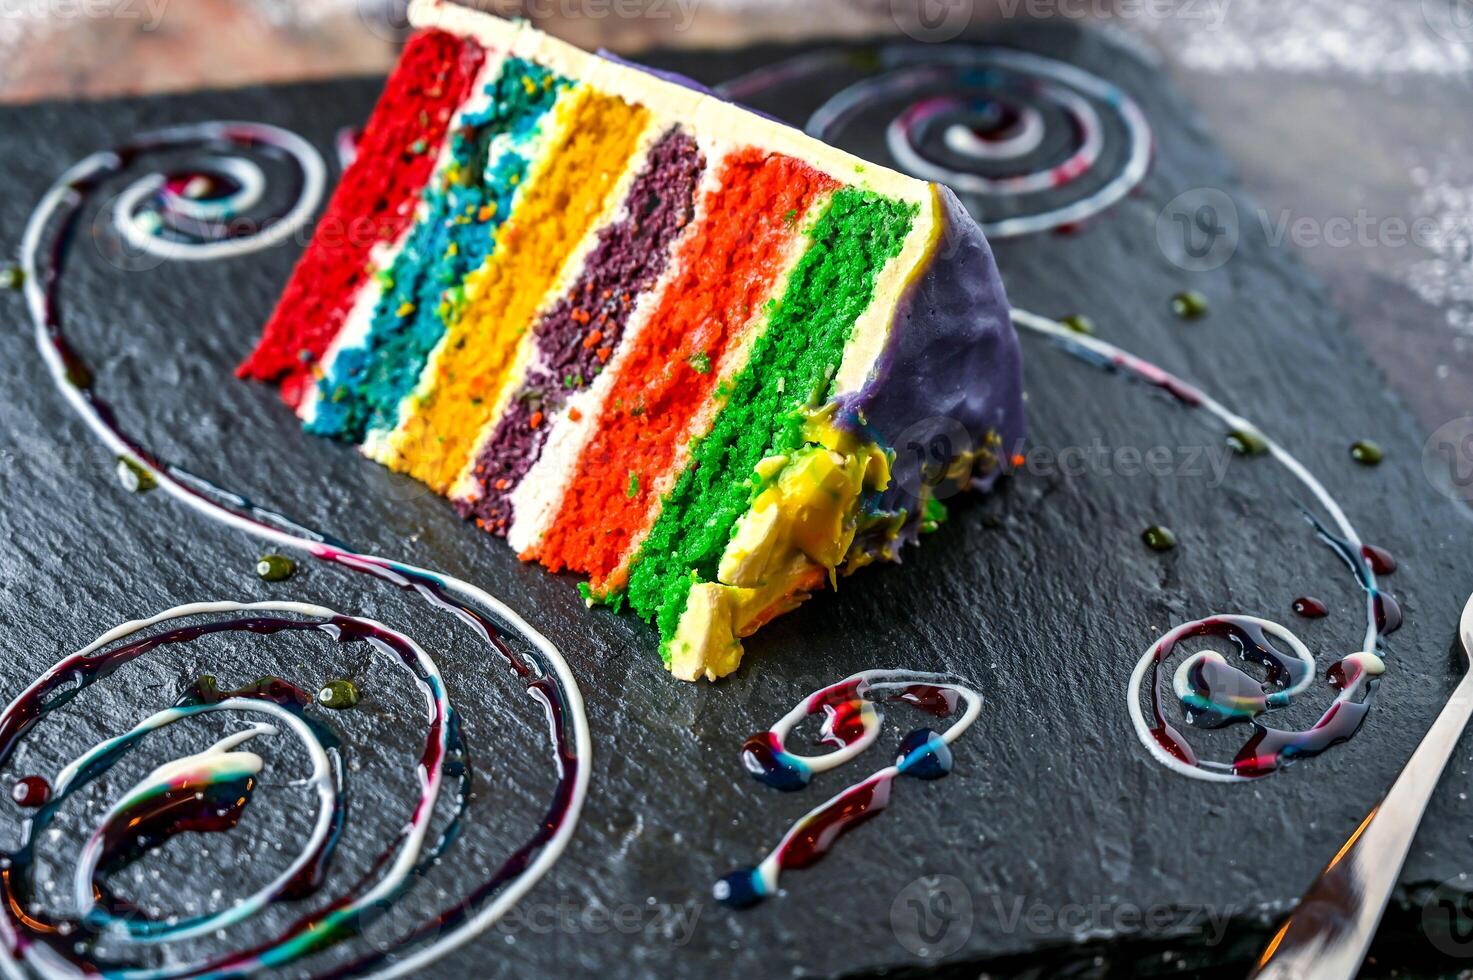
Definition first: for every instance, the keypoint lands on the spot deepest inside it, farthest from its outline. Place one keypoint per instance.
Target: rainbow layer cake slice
(692, 355)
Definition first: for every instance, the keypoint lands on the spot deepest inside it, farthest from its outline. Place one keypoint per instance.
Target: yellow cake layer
(598, 135)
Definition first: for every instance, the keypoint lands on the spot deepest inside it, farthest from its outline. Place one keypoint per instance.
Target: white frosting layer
(359, 321)
(615, 209)
(384, 445)
(536, 498)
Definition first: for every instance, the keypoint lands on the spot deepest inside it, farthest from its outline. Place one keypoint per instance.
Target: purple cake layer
(575, 337)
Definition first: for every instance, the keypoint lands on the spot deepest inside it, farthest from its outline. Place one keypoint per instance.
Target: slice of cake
(652, 338)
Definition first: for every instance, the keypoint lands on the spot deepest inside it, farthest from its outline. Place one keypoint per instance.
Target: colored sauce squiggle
(978, 119)
(1022, 136)
(1213, 692)
(194, 216)
(851, 723)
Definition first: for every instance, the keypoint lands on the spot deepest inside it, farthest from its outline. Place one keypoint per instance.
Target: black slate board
(1059, 831)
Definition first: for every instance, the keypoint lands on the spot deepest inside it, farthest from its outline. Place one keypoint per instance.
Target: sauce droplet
(1158, 538)
(1310, 608)
(1380, 560)
(924, 755)
(78, 376)
(764, 757)
(740, 889)
(12, 277)
(339, 695)
(134, 477)
(1189, 305)
(1079, 323)
(1366, 452)
(1388, 613)
(276, 568)
(32, 791)
(1246, 442)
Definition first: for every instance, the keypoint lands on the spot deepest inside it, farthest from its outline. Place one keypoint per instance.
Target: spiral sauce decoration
(218, 208)
(1031, 144)
(1212, 692)
(978, 119)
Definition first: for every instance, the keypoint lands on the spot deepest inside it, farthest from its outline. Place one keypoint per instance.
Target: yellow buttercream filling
(797, 532)
(476, 358)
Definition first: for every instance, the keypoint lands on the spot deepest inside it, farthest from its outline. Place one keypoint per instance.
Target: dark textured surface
(1057, 824)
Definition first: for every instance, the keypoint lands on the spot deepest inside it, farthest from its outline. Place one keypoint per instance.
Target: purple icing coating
(631, 255)
(952, 365)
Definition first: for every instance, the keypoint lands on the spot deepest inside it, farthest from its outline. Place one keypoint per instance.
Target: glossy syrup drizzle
(1213, 692)
(194, 215)
(851, 724)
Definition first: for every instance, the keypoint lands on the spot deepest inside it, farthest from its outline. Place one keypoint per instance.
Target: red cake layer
(374, 203)
(728, 271)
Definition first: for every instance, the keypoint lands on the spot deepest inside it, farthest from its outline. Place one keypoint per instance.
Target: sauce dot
(1380, 560)
(1388, 613)
(134, 477)
(739, 890)
(1158, 538)
(924, 755)
(276, 568)
(1189, 305)
(1246, 442)
(1079, 323)
(78, 376)
(1310, 607)
(339, 695)
(1366, 452)
(32, 791)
